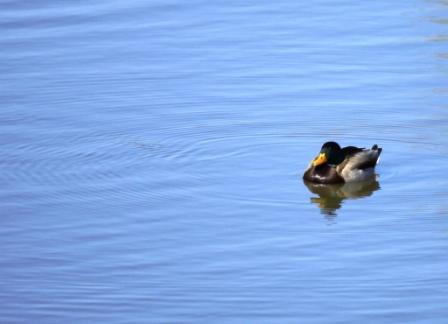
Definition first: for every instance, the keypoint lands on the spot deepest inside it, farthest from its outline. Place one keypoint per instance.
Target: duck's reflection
(331, 196)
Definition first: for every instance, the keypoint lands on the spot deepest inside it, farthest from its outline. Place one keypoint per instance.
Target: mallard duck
(338, 165)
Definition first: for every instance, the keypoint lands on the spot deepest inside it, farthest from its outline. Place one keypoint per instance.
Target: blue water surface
(151, 155)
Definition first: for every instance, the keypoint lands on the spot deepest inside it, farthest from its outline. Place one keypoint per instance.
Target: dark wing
(367, 164)
(362, 159)
(371, 163)
(351, 150)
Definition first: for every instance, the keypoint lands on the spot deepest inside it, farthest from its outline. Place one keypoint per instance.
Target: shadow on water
(331, 196)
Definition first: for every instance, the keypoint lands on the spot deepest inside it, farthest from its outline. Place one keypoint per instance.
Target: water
(151, 156)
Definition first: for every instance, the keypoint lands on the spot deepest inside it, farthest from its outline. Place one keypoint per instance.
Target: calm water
(151, 155)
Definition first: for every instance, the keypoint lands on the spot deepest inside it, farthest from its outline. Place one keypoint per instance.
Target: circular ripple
(243, 162)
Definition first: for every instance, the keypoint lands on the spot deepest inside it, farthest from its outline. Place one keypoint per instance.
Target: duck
(340, 165)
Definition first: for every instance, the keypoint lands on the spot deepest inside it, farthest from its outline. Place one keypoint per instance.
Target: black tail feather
(379, 149)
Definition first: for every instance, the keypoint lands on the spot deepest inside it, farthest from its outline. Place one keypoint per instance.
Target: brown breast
(322, 174)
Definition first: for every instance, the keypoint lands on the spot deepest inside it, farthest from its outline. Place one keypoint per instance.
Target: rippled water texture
(151, 155)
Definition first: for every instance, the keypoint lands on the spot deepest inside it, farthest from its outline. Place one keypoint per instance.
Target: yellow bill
(320, 159)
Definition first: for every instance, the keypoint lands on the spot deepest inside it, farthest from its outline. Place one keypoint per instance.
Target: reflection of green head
(332, 153)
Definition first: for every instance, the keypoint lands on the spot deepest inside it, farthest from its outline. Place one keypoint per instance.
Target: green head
(330, 153)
